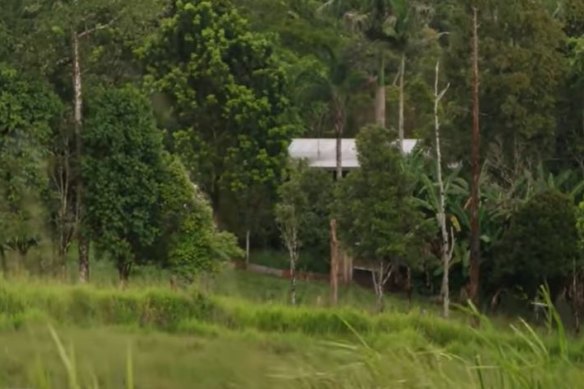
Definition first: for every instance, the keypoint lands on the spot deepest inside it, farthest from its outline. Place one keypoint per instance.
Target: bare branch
(389, 271)
(99, 27)
(441, 95)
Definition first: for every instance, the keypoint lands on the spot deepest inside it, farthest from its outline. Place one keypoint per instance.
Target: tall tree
(121, 166)
(475, 161)
(377, 215)
(188, 242)
(27, 111)
(68, 37)
(522, 69)
(447, 242)
(226, 95)
(303, 213)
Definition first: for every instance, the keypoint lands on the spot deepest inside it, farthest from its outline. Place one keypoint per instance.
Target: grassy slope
(214, 340)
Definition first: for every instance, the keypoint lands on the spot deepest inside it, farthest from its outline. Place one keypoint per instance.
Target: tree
(121, 166)
(522, 69)
(447, 243)
(303, 214)
(378, 217)
(228, 97)
(289, 216)
(475, 242)
(188, 242)
(27, 110)
(525, 261)
(67, 41)
(386, 24)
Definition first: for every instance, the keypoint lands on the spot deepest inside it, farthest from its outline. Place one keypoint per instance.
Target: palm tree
(331, 84)
(390, 24)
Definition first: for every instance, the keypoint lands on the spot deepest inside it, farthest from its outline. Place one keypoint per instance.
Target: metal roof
(321, 152)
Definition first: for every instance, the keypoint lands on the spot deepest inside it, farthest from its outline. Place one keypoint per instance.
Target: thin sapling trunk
(446, 245)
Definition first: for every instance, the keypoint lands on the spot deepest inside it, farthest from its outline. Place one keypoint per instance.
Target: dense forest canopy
(156, 132)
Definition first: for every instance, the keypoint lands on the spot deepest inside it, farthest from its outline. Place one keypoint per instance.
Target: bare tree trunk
(339, 128)
(377, 276)
(82, 241)
(474, 205)
(334, 279)
(347, 267)
(380, 101)
(380, 278)
(335, 249)
(401, 102)
(445, 252)
(293, 260)
(124, 270)
(247, 245)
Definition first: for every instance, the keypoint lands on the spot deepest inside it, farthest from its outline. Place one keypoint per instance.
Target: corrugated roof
(321, 152)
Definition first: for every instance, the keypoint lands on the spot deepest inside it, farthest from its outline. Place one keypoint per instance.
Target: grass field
(236, 331)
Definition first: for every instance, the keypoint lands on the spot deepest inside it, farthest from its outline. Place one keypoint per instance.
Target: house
(321, 152)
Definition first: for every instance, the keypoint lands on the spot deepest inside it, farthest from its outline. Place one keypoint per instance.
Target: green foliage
(27, 110)
(190, 241)
(228, 94)
(541, 243)
(377, 214)
(121, 166)
(109, 30)
(304, 205)
(580, 227)
(522, 71)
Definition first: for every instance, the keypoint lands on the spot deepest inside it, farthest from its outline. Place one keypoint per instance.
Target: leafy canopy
(378, 216)
(27, 110)
(227, 92)
(541, 243)
(121, 167)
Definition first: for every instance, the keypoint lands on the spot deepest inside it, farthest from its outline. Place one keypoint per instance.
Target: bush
(541, 243)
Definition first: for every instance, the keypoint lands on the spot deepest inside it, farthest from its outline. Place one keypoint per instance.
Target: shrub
(541, 243)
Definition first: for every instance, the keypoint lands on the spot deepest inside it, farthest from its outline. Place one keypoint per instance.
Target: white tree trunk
(380, 277)
(293, 246)
(401, 102)
(82, 241)
(445, 248)
(293, 280)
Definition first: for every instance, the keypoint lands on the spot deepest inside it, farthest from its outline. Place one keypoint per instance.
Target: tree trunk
(401, 102)
(62, 262)
(124, 270)
(339, 127)
(335, 249)
(380, 101)
(378, 284)
(82, 241)
(445, 244)
(247, 244)
(293, 280)
(347, 268)
(475, 156)
(334, 279)
(83, 258)
(409, 286)
(4, 264)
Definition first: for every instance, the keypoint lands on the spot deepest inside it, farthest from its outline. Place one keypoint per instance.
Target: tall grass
(531, 360)
(334, 348)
